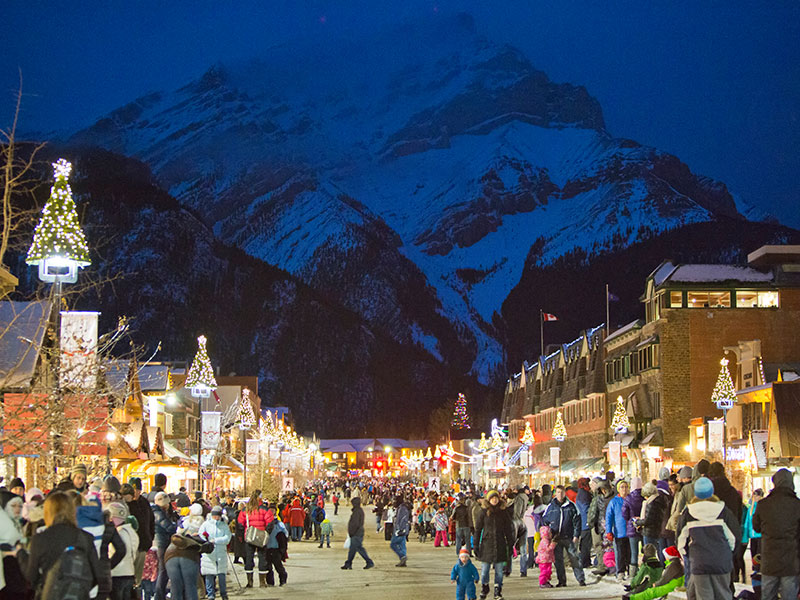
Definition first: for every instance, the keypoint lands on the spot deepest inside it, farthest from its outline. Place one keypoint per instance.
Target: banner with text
(251, 456)
(615, 455)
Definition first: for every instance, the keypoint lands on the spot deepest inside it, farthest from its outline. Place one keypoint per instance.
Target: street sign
(433, 484)
(288, 484)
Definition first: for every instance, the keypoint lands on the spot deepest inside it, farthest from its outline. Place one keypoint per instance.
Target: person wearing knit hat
(110, 491)
(17, 486)
(465, 575)
(707, 534)
(76, 480)
(671, 578)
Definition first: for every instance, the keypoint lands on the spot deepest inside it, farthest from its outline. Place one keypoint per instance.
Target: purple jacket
(662, 484)
(631, 509)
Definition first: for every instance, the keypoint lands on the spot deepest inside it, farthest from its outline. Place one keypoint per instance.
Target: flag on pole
(612, 297)
(548, 317)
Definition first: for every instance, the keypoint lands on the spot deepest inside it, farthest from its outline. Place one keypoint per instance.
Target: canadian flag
(549, 317)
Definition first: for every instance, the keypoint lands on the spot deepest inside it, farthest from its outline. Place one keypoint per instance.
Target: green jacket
(648, 573)
(671, 578)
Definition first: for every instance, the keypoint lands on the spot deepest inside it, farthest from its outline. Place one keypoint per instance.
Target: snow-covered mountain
(408, 175)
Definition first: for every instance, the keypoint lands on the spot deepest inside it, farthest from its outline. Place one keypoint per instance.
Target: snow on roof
(23, 325)
(712, 273)
(624, 329)
(663, 272)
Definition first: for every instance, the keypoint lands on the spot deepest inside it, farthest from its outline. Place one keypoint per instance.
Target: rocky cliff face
(408, 176)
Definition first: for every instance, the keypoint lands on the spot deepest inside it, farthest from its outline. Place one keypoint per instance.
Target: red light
(378, 464)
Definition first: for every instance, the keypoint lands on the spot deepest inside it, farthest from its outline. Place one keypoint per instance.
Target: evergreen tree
(200, 378)
(724, 394)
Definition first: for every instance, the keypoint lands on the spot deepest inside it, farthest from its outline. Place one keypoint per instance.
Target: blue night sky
(716, 83)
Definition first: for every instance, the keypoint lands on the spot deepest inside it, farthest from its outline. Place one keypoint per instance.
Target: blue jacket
(582, 501)
(747, 523)
(274, 541)
(165, 526)
(564, 519)
(401, 520)
(465, 576)
(615, 522)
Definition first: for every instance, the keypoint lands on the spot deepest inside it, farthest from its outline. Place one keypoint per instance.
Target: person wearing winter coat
(655, 512)
(564, 520)
(122, 576)
(326, 532)
(733, 500)
(596, 517)
(648, 573)
(618, 527)
(317, 517)
(777, 519)
(671, 578)
(182, 560)
(494, 539)
(139, 507)
(521, 501)
(297, 517)
(583, 500)
(277, 549)
(107, 541)
(631, 510)
(465, 576)
(707, 534)
(214, 565)
(462, 517)
(165, 523)
(48, 546)
(544, 556)
(355, 530)
(254, 515)
(402, 521)
(532, 532)
(687, 492)
(13, 585)
(750, 535)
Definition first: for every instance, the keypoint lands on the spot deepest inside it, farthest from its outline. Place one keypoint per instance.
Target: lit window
(676, 299)
(708, 299)
(753, 299)
(335, 456)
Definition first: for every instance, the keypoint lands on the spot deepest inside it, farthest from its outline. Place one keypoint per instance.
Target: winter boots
(498, 592)
(249, 580)
(262, 580)
(484, 591)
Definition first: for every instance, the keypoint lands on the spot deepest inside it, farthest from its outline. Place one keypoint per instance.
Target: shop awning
(625, 440)
(171, 451)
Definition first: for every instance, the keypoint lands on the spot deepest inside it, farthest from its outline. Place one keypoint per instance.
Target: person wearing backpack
(62, 561)
(122, 576)
(92, 520)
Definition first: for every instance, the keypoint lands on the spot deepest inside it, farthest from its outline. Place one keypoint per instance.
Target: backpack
(71, 576)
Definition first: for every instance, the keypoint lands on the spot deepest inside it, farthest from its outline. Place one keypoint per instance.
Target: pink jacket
(546, 547)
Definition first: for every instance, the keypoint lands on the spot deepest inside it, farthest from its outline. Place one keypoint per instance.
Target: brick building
(665, 365)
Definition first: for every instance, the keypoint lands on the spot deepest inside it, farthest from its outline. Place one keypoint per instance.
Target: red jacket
(297, 515)
(258, 519)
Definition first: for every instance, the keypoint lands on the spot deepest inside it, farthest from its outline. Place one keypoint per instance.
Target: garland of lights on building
(58, 233)
(724, 393)
(620, 422)
(460, 416)
(201, 373)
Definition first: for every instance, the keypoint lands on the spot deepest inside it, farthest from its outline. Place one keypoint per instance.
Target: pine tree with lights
(559, 431)
(246, 417)
(460, 416)
(724, 393)
(59, 233)
(200, 378)
(620, 422)
(527, 435)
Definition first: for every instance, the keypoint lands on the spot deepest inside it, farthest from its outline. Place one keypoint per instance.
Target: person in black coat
(777, 519)
(48, 546)
(494, 540)
(564, 519)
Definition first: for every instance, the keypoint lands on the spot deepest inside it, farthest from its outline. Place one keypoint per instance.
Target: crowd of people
(686, 530)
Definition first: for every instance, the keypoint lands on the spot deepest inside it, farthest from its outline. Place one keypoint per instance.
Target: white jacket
(219, 532)
(131, 540)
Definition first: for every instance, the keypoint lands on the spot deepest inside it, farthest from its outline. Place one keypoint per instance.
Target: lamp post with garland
(559, 435)
(723, 396)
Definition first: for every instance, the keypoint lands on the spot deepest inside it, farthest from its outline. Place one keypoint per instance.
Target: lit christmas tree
(559, 431)
(460, 416)
(428, 456)
(527, 436)
(483, 445)
(200, 378)
(246, 417)
(58, 241)
(724, 393)
(620, 422)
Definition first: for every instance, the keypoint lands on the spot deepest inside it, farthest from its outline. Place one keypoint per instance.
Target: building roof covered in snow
(23, 325)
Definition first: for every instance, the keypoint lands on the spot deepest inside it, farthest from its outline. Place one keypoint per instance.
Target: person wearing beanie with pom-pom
(707, 534)
(465, 575)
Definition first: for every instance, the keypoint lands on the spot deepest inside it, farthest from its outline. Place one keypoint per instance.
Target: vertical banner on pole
(555, 456)
(210, 427)
(716, 431)
(78, 349)
(251, 455)
(615, 455)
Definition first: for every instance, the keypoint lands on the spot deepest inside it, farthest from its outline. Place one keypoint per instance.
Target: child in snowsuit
(671, 578)
(609, 560)
(326, 531)
(440, 524)
(465, 575)
(648, 573)
(545, 556)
